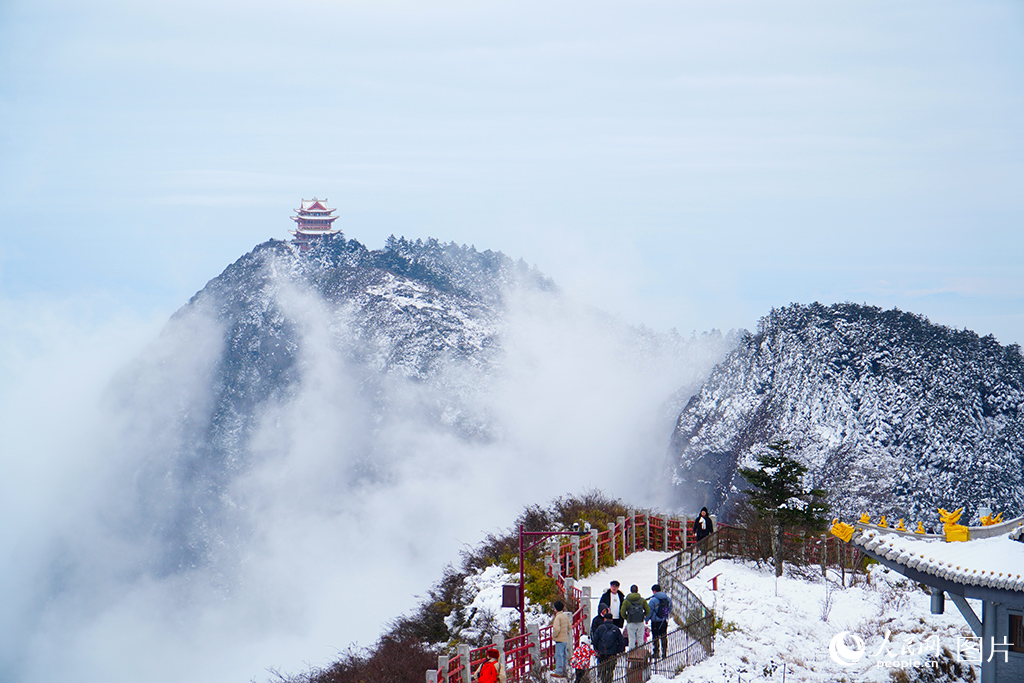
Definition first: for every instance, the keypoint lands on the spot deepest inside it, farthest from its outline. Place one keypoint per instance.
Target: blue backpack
(664, 609)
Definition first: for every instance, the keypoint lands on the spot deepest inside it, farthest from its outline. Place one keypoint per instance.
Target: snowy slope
(771, 625)
(485, 611)
(640, 568)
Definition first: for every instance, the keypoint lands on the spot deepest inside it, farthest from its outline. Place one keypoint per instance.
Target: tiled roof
(995, 561)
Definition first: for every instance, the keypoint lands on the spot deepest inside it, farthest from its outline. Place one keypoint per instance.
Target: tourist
(608, 643)
(661, 612)
(488, 671)
(612, 599)
(561, 629)
(581, 658)
(634, 612)
(599, 619)
(702, 526)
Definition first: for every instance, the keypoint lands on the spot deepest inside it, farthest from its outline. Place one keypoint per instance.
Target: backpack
(664, 609)
(635, 611)
(607, 639)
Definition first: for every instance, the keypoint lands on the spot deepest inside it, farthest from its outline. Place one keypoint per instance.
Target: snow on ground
(640, 568)
(770, 625)
(485, 614)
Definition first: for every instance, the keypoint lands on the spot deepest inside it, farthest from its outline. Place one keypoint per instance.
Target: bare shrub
(941, 668)
(828, 601)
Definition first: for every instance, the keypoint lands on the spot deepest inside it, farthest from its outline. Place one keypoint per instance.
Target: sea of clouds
(339, 518)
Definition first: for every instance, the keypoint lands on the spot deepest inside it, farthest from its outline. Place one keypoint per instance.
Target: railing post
(576, 557)
(647, 530)
(620, 521)
(686, 530)
(664, 529)
(593, 544)
(587, 616)
(611, 539)
(431, 676)
(823, 555)
(463, 650)
(533, 637)
(632, 531)
(442, 668)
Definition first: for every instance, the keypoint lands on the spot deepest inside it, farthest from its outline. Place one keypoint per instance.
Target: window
(1017, 633)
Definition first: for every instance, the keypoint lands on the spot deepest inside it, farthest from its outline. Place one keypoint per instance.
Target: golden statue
(989, 520)
(953, 531)
(841, 530)
(865, 518)
(882, 523)
(919, 529)
(900, 527)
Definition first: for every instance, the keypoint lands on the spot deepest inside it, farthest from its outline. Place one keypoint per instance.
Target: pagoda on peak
(313, 220)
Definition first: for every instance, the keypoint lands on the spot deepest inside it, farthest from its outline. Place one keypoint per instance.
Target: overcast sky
(683, 164)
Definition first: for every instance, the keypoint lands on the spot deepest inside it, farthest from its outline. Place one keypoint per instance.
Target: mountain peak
(892, 413)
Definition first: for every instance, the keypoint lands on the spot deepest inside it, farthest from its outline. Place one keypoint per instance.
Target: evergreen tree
(779, 496)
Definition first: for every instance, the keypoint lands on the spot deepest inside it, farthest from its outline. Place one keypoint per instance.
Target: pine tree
(779, 496)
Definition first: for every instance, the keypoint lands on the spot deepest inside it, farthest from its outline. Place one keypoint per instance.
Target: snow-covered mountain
(891, 413)
(341, 350)
(408, 329)
(315, 426)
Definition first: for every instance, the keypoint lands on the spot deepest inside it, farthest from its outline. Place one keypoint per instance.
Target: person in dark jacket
(608, 644)
(612, 599)
(661, 612)
(598, 620)
(702, 526)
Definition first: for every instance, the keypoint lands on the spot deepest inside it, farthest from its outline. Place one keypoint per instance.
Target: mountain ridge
(891, 413)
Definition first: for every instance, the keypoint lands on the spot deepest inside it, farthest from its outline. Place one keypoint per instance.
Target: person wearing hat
(488, 671)
(661, 611)
(599, 619)
(608, 643)
(581, 657)
(612, 599)
(703, 526)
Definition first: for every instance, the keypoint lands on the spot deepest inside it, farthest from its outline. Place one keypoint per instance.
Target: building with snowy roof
(985, 563)
(313, 220)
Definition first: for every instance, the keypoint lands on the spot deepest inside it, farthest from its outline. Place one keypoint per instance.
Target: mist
(340, 515)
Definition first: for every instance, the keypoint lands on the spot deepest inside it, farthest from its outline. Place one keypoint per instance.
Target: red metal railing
(618, 542)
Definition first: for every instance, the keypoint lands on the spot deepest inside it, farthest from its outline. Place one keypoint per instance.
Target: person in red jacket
(581, 657)
(488, 671)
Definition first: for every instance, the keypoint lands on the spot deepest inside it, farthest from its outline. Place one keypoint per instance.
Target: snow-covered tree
(779, 496)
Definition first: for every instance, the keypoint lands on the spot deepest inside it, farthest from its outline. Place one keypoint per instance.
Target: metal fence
(686, 645)
(690, 643)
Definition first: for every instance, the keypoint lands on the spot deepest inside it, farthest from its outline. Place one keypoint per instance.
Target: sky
(681, 164)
